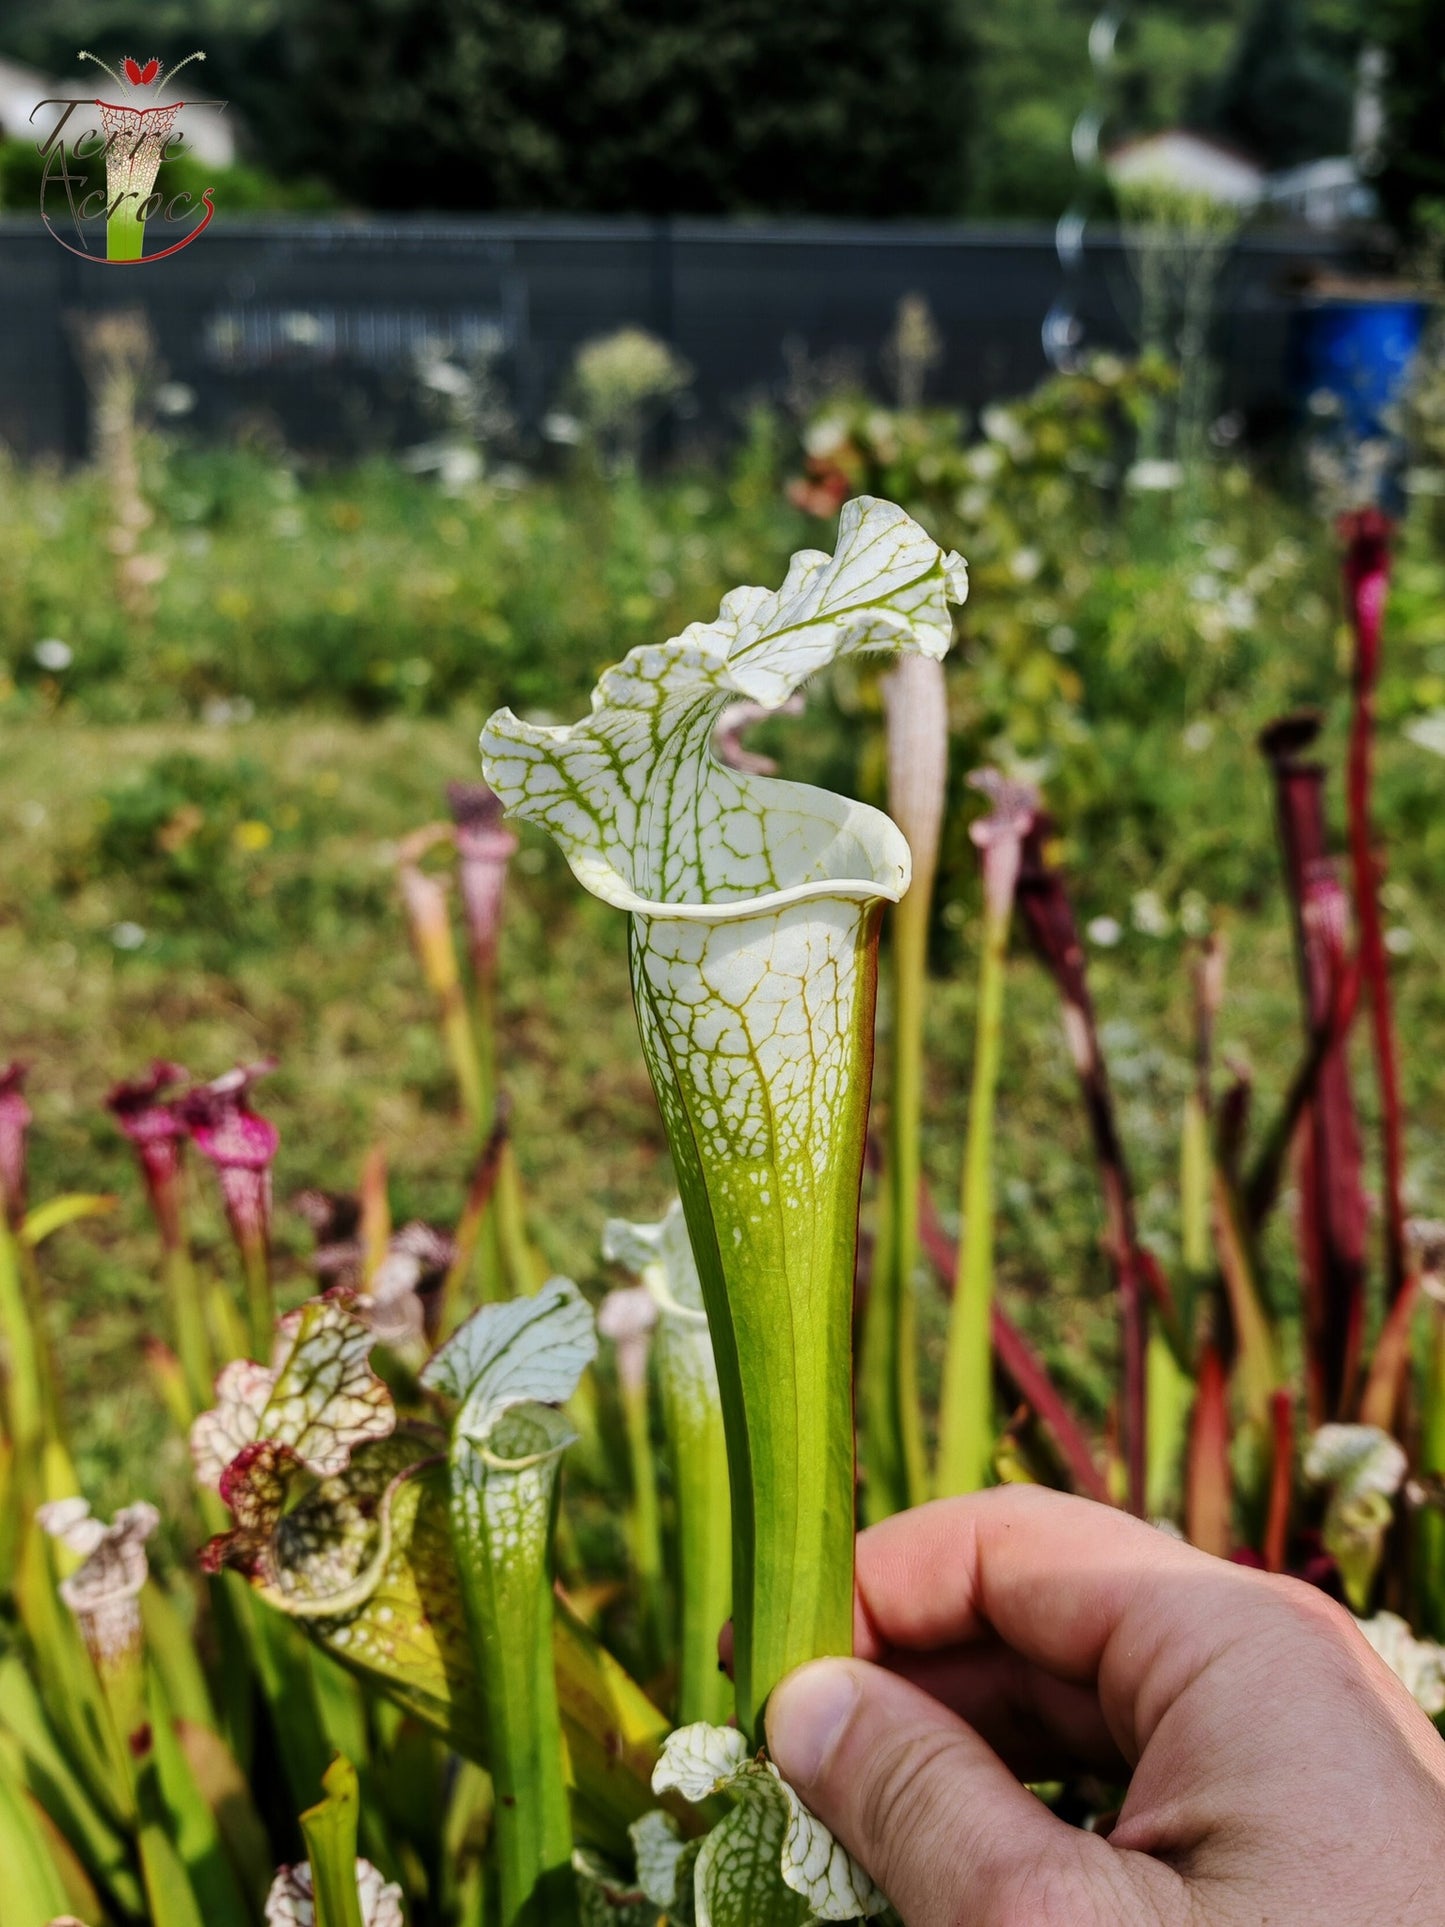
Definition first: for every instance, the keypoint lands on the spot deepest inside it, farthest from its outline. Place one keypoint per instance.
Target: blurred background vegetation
(209, 761)
(232, 678)
(924, 107)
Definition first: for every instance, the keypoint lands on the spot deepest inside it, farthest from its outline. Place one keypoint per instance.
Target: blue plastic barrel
(1360, 352)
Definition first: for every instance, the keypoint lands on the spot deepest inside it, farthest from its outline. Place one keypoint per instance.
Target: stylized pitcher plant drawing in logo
(137, 134)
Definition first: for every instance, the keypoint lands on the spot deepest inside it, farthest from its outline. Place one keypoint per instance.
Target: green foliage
(1287, 94)
(1126, 644)
(239, 189)
(1412, 35)
(732, 106)
(364, 591)
(1031, 81)
(928, 107)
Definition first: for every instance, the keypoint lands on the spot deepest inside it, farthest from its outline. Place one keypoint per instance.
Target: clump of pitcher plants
(349, 1687)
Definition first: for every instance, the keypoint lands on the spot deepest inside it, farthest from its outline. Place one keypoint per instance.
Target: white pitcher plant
(755, 908)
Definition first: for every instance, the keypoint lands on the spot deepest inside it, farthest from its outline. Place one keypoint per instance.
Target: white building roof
(1324, 194)
(1189, 162)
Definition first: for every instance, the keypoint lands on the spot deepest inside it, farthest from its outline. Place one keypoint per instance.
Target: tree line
(839, 107)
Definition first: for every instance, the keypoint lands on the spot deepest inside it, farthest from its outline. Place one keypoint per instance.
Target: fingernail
(806, 1717)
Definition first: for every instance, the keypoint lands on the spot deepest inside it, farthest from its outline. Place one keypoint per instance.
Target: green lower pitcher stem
(260, 1300)
(646, 1523)
(891, 1414)
(791, 1472)
(966, 1430)
(125, 233)
(188, 1323)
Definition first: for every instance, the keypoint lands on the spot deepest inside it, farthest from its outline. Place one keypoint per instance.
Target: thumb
(934, 1815)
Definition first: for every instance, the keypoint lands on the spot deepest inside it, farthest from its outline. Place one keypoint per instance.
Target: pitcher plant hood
(643, 811)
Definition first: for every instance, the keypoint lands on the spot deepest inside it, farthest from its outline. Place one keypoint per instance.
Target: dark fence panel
(311, 328)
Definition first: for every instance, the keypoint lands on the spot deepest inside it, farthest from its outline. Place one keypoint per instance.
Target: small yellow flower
(252, 835)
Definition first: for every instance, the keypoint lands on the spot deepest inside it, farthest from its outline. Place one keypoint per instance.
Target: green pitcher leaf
(71, 1693)
(755, 909)
(527, 1351)
(192, 1827)
(318, 1398)
(769, 1859)
(103, 1592)
(226, 1791)
(170, 1637)
(1361, 1468)
(643, 812)
(50, 1777)
(661, 1255)
(503, 1366)
(365, 1562)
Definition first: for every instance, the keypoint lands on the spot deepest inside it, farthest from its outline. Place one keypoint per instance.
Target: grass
(254, 852)
(364, 591)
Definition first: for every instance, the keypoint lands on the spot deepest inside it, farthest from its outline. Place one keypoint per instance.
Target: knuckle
(1314, 1614)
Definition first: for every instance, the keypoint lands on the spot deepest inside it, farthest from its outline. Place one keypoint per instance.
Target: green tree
(1034, 79)
(836, 107)
(1287, 95)
(840, 107)
(1412, 33)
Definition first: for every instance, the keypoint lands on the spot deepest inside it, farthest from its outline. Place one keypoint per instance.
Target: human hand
(1278, 1772)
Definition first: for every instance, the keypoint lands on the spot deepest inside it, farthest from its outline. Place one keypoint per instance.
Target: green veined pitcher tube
(768, 1133)
(755, 907)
